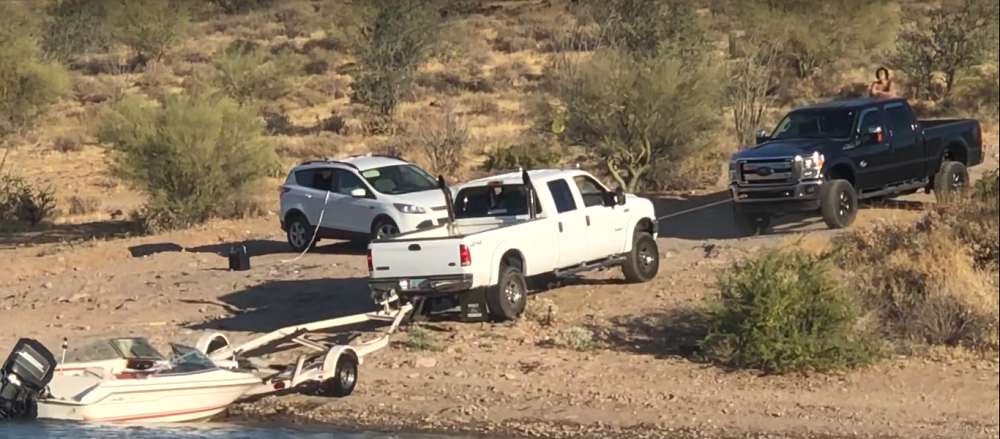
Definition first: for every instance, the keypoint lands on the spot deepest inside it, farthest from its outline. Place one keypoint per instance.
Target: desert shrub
(248, 73)
(785, 311)
(233, 7)
(23, 202)
(816, 35)
(637, 114)
(921, 283)
(752, 76)
(443, 140)
(195, 156)
(29, 83)
(76, 27)
(83, 205)
(392, 39)
(152, 27)
(967, 29)
(529, 155)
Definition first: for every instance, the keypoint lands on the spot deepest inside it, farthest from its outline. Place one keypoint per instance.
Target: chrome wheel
(298, 236)
(347, 377)
(513, 291)
(957, 181)
(386, 230)
(844, 207)
(646, 258)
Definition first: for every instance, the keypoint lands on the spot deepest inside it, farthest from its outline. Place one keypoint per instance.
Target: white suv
(359, 199)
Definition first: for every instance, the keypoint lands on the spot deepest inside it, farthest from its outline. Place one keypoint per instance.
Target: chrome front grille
(762, 172)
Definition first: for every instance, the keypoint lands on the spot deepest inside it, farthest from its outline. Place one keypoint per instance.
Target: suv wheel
(300, 234)
(838, 204)
(952, 179)
(750, 224)
(384, 228)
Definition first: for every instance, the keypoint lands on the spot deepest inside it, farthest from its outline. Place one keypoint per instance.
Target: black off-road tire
(643, 262)
(507, 299)
(838, 204)
(344, 379)
(951, 180)
(750, 224)
(300, 234)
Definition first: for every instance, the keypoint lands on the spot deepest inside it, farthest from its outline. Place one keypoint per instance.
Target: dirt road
(634, 381)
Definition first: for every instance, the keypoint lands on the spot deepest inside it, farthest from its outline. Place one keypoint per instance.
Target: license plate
(410, 284)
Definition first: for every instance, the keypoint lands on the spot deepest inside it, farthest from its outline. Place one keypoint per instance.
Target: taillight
(465, 255)
(978, 136)
(371, 267)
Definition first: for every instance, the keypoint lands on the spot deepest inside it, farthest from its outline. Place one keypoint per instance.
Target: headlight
(732, 172)
(811, 166)
(409, 208)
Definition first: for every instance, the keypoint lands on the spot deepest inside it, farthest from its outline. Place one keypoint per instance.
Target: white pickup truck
(514, 230)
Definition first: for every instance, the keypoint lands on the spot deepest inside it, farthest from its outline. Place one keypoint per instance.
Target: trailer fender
(212, 342)
(333, 356)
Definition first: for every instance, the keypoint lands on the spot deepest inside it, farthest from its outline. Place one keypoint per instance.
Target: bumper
(431, 286)
(800, 197)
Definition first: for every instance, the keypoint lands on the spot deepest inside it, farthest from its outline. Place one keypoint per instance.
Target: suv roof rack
(342, 160)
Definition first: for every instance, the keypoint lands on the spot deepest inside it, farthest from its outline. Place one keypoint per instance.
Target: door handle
(560, 227)
(588, 220)
(414, 247)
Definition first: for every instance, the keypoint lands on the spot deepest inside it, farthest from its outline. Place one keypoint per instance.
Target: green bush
(242, 6)
(247, 73)
(785, 311)
(28, 82)
(522, 155)
(152, 27)
(76, 27)
(196, 157)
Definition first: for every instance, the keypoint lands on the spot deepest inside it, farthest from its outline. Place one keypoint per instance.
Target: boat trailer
(333, 366)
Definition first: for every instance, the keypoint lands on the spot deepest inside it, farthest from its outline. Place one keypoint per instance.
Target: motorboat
(128, 380)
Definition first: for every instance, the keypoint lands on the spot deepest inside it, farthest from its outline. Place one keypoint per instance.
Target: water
(52, 430)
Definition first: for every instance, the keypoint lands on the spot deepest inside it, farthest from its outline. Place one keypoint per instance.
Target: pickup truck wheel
(300, 234)
(838, 204)
(384, 228)
(952, 179)
(643, 262)
(748, 224)
(509, 297)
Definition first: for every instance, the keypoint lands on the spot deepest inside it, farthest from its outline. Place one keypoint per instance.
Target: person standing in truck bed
(884, 86)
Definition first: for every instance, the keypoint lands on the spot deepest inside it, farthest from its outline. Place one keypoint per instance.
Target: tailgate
(415, 258)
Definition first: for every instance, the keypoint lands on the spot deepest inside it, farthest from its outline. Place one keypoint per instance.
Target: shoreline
(272, 411)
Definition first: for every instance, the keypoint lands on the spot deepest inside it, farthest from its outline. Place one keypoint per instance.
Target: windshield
(815, 124)
(186, 360)
(399, 179)
(493, 201)
(133, 348)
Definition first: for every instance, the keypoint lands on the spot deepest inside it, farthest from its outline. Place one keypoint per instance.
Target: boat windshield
(114, 349)
(186, 360)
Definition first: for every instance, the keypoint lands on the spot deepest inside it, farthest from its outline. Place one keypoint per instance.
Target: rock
(424, 363)
(47, 285)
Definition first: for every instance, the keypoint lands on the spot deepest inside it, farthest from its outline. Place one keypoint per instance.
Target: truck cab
(827, 157)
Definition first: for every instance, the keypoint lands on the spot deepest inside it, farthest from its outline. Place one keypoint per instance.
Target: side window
(346, 182)
(899, 121)
(590, 190)
(562, 196)
(869, 120)
(320, 179)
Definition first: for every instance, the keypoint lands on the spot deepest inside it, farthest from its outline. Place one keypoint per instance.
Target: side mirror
(620, 196)
(359, 193)
(761, 136)
(874, 136)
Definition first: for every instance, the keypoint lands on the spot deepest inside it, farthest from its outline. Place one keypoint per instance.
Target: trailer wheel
(509, 297)
(212, 342)
(344, 379)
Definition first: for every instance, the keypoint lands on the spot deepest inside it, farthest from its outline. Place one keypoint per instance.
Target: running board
(895, 190)
(589, 266)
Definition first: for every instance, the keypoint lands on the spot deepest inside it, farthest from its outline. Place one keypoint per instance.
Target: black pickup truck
(826, 157)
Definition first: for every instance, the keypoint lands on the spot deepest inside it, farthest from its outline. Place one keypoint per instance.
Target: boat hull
(148, 402)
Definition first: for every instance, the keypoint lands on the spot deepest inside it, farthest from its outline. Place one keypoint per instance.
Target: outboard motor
(24, 379)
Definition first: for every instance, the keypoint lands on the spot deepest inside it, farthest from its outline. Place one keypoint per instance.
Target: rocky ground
(593, 358)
